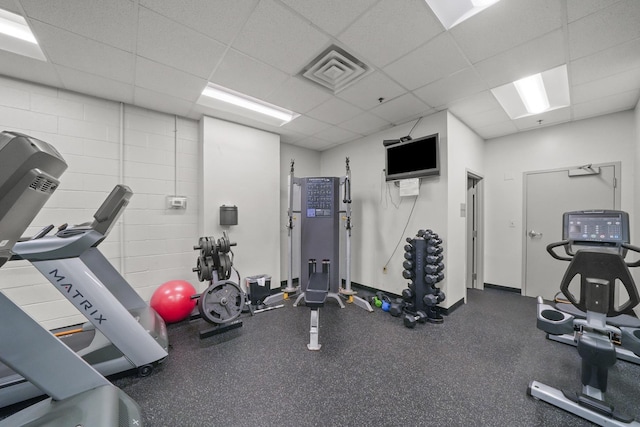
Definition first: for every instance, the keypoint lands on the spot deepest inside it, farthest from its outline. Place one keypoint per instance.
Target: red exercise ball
(172, 300)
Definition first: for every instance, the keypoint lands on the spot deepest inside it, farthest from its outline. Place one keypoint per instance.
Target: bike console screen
(596, 227)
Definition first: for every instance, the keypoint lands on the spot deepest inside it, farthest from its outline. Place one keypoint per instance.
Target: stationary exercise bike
(595, 243)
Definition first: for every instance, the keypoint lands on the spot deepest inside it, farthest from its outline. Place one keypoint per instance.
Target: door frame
(478, 211)
(617, 173)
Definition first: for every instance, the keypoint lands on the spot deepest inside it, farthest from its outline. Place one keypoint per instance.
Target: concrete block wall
(106, 143)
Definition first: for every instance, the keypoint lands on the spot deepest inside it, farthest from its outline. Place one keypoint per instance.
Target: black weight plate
(224, 266)
(222, 302)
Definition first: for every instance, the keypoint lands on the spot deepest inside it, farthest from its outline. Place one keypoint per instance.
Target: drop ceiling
(160, 54)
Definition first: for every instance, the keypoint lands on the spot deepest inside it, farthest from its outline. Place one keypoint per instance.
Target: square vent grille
(335, 69)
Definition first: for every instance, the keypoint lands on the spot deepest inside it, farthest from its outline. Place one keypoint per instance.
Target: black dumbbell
(431, 300)
(410, 320)
(433, 268)
(396, 308)
(433, 278)
(408, 294)
(434, 259)
(434, 250)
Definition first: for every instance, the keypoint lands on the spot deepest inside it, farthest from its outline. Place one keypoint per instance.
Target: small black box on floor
(259, 288)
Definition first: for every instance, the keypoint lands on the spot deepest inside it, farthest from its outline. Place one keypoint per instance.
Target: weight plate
(224, 267)
(201, 245)
(224, 245)
(222, 302)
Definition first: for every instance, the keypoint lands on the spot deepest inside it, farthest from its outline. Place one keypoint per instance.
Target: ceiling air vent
(335, 69)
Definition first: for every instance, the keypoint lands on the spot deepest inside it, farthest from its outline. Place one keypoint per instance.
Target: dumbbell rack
(423, 267)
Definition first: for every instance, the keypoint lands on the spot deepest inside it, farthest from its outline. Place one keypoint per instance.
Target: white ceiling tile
(334, 111)
(366, 92)
(276, 36)
(535, 56)
(337, 135)
(79, 81)
(608, 62)
(167, 42)
(22, 67)
(617, 83)
(247, 75)
(436, 59)
(496, 130)
(170, 49)
(474, 104)
(314, 143)
(160, 101)
(456, 86)
(220, 19)
(611, 104)
(290, 137)
(163, 79)
(298, 95)
(505, 25)
(577, 9)
(560, 115)
(332, 16)
(485, 118)
(606, 28)
(306, 125)
(365, 124)
(402, 109)
(11, 6)
(391, 29)
(74, 51)
(111, 22)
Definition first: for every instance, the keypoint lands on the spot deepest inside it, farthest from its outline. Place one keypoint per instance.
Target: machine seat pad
(317, 290)
(597, 350)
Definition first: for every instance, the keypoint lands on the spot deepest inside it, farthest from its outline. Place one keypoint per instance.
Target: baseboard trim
(369, 289)
(503, 288)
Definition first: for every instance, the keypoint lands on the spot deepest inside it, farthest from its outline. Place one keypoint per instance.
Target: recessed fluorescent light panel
(16, 36)
(453, 12)
(535, 94)
(221, 98)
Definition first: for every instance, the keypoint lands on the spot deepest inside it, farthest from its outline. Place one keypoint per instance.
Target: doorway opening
(475, 234)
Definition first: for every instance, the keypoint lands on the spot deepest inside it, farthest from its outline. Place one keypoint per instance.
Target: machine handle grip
(633, 249)
(553, 253)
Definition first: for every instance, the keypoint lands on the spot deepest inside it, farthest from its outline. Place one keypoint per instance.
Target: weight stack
(423, 267)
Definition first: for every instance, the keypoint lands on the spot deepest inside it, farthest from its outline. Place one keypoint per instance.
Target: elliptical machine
(595, 243)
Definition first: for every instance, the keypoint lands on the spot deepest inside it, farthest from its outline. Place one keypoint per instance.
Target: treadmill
(123, 332)
(29, 172)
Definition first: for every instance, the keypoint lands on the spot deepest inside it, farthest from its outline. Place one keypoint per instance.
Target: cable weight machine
(319, 246)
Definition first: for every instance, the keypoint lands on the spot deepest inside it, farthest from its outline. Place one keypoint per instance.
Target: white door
(548, 195)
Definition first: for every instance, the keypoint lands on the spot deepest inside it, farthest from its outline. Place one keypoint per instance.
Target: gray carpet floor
(472, 370)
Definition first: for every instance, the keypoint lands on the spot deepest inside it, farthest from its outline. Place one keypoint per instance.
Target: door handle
(533, 234)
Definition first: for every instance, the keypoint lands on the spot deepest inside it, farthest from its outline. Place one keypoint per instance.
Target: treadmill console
(596, 228)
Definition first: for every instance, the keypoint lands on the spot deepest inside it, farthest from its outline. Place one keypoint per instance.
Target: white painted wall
(602, 139)
(242, 168)
(156, 161)
(465, 153)
(380, 215)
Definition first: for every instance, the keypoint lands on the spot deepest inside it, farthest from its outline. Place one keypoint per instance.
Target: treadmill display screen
(605, 227)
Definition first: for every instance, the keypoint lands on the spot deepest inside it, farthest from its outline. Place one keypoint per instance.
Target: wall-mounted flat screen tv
(412, 158)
